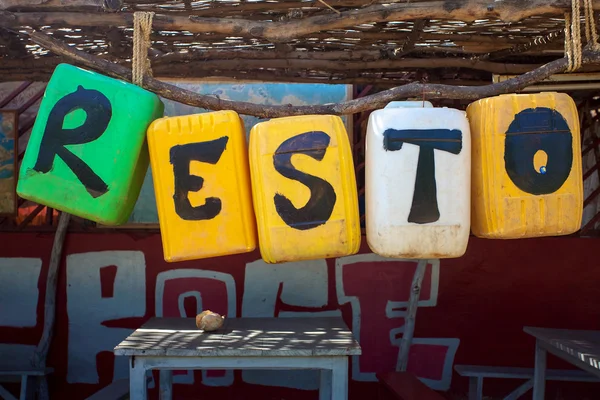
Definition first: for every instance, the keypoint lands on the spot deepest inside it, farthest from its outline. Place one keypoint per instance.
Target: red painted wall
(483, 299)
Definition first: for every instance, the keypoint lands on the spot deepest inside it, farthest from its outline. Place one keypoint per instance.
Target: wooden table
(580, 348)
(167, 344)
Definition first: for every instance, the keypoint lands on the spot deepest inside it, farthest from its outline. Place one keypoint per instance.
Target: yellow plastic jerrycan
(526, 166)
(304, 188)
(202, 185)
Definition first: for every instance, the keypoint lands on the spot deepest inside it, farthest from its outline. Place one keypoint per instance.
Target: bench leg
(339, 379)
(520, 391)
(6, 395)
(42, 388)
(137, 379)
(539, 375)
(28, 387)
(166, 384)
(475, 388)
(325, 385)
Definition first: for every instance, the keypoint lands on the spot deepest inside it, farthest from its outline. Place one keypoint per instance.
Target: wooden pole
(411, 316)
(41, 352)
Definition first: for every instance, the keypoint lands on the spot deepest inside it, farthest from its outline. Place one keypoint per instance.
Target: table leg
(43, 388)
(28, 387)
(24, 387)
(475, 388)
(137, 379)
(166, 384)
(339, 379)
(539, 375)
(325, 386)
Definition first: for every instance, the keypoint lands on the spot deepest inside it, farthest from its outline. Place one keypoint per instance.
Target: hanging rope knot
(142, 27)
(591, 34)
(573, 47)
(573, 36)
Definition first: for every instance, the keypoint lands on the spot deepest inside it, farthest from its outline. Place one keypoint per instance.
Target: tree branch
(466, 10)
(378, 100)
(61, 5)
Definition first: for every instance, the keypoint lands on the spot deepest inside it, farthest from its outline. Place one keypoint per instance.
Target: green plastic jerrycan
(87, 154)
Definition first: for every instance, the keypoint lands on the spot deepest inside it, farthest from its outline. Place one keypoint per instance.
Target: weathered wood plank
(41, 352)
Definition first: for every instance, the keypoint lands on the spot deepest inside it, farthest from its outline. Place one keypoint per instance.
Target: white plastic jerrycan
(418, 181)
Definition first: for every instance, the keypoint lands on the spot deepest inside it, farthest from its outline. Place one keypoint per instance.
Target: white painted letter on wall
(300, 284)
(19, 293)
(202, 289)
(91, 302)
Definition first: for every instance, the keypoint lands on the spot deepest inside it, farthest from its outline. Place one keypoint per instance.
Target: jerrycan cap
(409, 104)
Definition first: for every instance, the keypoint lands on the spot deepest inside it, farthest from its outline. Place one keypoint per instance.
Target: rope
(573, 47)
(576, 33)
(142, 26)
(573, 36)
(591, 34)
(568, 41)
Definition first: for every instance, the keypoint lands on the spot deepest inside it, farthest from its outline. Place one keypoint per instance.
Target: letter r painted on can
(98, 112)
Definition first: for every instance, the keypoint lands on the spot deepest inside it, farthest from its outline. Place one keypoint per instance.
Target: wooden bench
(477, 373)
(32, 380)
(118, 390)
(405, 386)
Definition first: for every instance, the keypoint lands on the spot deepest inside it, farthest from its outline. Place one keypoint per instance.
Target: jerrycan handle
(409, 104)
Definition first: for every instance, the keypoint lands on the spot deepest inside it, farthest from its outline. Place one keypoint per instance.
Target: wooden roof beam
(467, 10)
(254, 60)
(378, 100)
(61, 5)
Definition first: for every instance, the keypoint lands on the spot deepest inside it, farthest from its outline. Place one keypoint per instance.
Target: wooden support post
(41, 352)
(411, 315)
(539, 376)
(475, 388)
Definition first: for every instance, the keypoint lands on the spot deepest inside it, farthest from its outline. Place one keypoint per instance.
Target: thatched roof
(344, 41)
